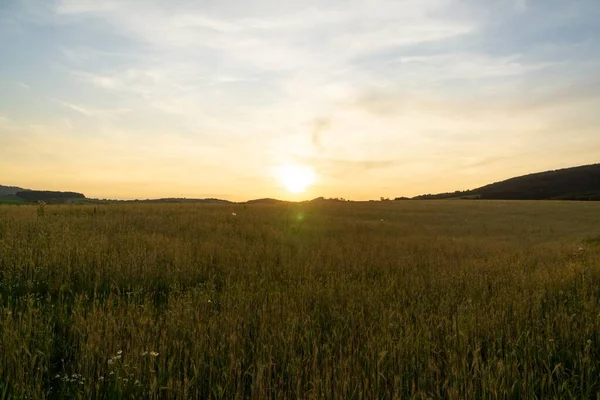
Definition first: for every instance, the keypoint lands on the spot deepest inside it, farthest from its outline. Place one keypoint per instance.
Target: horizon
(298, 198)
(245, 100)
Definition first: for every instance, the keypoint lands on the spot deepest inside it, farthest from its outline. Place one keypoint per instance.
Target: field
(376, 300)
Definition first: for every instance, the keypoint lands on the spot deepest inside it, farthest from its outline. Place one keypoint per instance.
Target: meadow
(374, 300)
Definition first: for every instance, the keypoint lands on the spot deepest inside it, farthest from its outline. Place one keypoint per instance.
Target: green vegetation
(459, 300)
(11, 199)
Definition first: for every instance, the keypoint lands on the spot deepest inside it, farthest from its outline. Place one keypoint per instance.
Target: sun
(296, 178)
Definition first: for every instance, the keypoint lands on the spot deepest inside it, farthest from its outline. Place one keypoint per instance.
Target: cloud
(528, 100)
(185, 55)
(281, 38)
(101, 114)
(75, 107)
(479, 162)
(97, 80)
(521, 5)
(85, 7)
(320, 126)
(340, 168)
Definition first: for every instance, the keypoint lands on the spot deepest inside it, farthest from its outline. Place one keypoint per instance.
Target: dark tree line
(45, 195)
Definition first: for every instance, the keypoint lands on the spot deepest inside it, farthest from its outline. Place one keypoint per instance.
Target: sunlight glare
(296, 178)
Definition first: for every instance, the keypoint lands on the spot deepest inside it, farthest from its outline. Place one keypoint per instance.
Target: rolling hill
(13, 194)
(8, 194)
(51, 196)
(10, 190)
(183, 200)
(576, 183)
(265, 201)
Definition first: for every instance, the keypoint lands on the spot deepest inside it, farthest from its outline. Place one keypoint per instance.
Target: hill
(183, 200)
(327, 200)
(15, 194)
(10, 190)
(49, 196)
(577, 183)
(266, 201)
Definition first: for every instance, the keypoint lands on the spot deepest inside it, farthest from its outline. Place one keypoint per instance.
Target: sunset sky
(157, 98)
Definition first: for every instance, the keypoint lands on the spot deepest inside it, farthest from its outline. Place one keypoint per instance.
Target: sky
(378, 98)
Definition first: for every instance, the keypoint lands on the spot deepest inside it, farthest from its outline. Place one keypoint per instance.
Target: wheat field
(340, 300)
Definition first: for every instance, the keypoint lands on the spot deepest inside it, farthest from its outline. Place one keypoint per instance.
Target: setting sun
(296, 178)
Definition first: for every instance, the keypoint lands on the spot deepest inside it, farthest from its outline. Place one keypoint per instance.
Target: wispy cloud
(101, 114)
(98, 80)
(320, 126)
(75, 107)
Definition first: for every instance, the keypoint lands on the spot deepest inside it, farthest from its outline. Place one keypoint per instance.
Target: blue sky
(127, 99)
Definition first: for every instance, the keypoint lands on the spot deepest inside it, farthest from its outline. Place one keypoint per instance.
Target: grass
(444, 299)
(11, 199)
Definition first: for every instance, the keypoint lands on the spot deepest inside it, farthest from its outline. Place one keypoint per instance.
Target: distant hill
(183, 200)
(49, 196)
(326, 200)
(577, 183)
(266, 201)
(10, 190)
(14, 194)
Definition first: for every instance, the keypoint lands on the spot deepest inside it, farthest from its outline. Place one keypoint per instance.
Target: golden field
(374, 300)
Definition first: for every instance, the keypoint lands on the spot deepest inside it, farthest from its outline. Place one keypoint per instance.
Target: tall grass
(348, 300)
